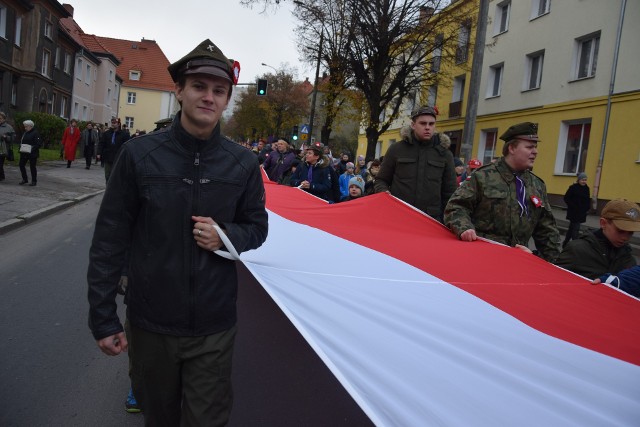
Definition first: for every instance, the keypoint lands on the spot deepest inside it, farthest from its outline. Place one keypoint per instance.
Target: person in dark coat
(315, 175)
(32, 138)
(110, 145)
(606, 250)
(279, 160)
(577, 199)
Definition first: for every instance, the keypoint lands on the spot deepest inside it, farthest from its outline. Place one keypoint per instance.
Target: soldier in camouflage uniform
(504, 201)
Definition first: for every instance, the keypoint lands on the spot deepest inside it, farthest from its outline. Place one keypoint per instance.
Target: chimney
(426, 13)
(69, 8)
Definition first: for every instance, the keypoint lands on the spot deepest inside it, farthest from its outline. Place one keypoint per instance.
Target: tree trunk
(372, 141)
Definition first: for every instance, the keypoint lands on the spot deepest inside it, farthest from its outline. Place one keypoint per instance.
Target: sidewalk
(57, 189)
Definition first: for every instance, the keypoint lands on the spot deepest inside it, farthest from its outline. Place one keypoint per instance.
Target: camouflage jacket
(487, 203)
(421, 174)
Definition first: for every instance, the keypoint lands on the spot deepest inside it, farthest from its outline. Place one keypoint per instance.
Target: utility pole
(315, 86)
(474, 85)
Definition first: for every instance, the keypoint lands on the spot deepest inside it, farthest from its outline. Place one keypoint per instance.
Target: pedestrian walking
(578, 203)
(6, 138)
(172, 198)
(29, 152)
(88, 140)
(70, 139)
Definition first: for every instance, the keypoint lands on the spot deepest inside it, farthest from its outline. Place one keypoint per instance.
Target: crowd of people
(165, 232)
(503, 201)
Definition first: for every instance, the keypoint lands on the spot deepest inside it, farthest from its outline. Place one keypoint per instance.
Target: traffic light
(262, 87)
(294, 133)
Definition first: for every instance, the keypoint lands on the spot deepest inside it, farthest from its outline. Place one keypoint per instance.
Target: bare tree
(389, 50)
(392, 53)
(322, 36)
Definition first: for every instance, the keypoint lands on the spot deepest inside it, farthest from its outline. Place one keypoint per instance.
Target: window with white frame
(63, 106)
(487, 146)
(18, 33)
(586, 56)
(46, 62)
(573, 146)
(432, 96)
(540, 7)
(56, 59)
(436, 58)
(87, 76)
(462, 51)
(14, 93)
(76, 109)
(131, 97)
(412, 101)
(3, 21)
(494, 83)
(533, 72)
(107, 101)
(79, 69)
(53, 104)
(134, 75)
(67, 62)
(129, 122)
(501, 22)
(84, 113)
(458, 88)
(48, 30)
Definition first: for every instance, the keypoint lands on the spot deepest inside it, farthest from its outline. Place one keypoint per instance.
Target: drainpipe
(596, 185)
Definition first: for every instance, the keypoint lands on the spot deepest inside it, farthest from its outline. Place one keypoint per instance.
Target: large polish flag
(425, 330)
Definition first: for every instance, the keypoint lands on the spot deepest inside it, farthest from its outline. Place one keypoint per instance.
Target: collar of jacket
(190, 142)
(506, 172)
(319, 164)
(439, 141)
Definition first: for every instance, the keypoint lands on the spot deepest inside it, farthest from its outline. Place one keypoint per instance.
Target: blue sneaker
(131, 405)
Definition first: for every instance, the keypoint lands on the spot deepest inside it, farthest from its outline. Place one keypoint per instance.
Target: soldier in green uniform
(504, 201)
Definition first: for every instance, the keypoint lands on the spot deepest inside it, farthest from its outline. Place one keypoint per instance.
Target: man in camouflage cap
(504, 201)
(171, 199)
(420, 169)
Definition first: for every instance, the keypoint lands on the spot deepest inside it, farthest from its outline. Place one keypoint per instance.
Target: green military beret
(526, 130)
(206, 58)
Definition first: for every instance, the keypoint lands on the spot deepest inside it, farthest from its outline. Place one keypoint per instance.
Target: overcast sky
(178, 26)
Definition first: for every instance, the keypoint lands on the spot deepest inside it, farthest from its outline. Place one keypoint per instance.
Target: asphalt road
(52, 373)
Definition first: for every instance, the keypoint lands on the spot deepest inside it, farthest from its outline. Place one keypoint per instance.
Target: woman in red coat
(70, 140)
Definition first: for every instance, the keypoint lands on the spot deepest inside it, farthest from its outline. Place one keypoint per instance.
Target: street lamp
(267, 65)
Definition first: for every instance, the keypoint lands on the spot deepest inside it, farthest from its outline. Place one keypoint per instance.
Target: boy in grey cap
(171, 198)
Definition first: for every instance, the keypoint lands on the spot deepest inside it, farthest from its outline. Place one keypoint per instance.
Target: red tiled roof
(93, 44)
(88, 41)
(144, 56)
(72, 27)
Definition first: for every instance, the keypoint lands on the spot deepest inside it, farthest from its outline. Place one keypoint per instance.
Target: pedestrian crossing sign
(304, 129)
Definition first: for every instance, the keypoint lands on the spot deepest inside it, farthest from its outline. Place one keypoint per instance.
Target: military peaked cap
(425, 109)
(206, 58)
(526, 130)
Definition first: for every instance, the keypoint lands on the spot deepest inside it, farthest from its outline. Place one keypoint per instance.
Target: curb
(29, 217)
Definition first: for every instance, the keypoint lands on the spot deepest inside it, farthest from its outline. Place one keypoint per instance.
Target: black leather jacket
(109, 146)
(158, 182)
